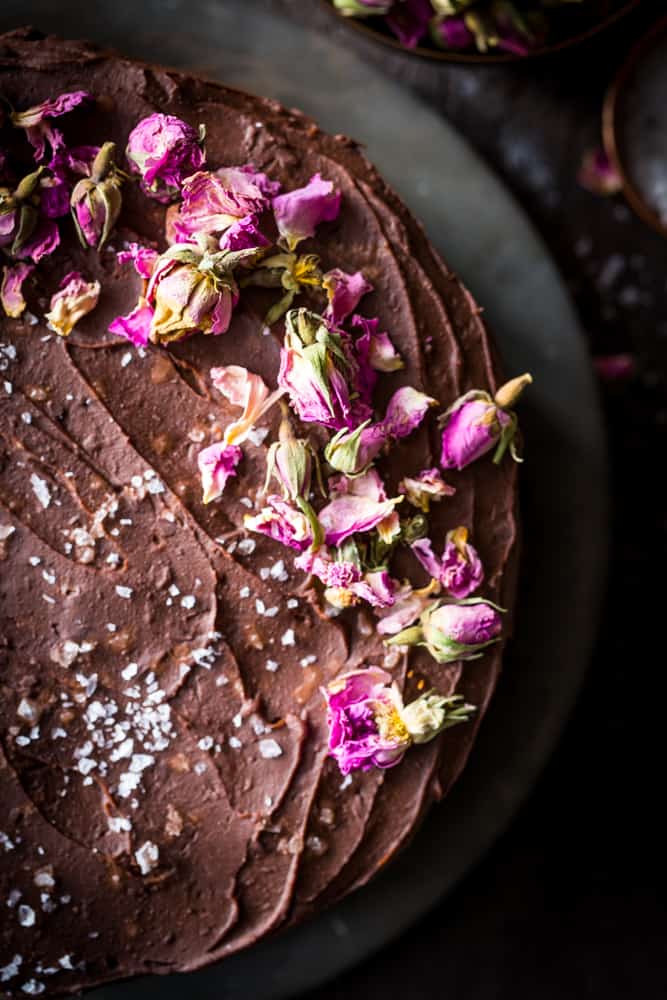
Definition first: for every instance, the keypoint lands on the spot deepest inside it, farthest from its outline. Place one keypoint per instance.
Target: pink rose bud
(364, 719)
(477, 423)
(164, 150)
(213, 202)
(455, 631)
(35, 120)
(192, 291)
(290, 462)
(283, 522)
(96, 200)
(217, 464)
(299, 212)
(351, 451)
(19, 213)
(11, 290)
(344, 292)
(314, 369)
(369, 726)
(426, 488)
(460, 570)
(75, 298)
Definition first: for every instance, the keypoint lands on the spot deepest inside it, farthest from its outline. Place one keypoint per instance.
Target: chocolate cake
(170, 787)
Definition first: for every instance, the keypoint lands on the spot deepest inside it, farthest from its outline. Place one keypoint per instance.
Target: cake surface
(99, 482)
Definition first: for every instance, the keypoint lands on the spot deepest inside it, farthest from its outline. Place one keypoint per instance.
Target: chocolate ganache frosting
(167, 796)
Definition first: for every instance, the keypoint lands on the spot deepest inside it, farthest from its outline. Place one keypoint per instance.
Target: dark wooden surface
(568, 903)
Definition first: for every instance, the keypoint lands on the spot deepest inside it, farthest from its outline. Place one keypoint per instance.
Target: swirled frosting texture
(165, 794)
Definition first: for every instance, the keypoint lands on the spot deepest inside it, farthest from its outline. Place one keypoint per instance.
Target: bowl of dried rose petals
(480, 31)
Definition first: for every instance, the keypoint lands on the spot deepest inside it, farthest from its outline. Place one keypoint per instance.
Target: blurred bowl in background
(634, 126)
(373, 29)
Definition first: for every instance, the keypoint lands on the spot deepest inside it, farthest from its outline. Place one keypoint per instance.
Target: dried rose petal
(11, 295)
(299, 212)
(344, 292)
(35, 120)
(75, 298)
(217, 464)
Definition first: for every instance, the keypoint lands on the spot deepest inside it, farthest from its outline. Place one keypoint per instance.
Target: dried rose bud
(364, 718)
(476, 423)
(19, 212)
(369, 726)
(314, 369)
(299, 212)
(352, 451)
(74, 299)
(11, 293)
(191, 291)
(215, 201)
(96, 200)
(430, 714)
(290, 462)
(164, 150)
(454, 631)
(459, 571)
(26, 230)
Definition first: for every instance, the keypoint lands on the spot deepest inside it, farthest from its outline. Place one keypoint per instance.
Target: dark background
(568, 903)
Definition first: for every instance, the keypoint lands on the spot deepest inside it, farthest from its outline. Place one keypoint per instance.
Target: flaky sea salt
(270, 749)
(41, 490)
(147, 857)
(26, 915)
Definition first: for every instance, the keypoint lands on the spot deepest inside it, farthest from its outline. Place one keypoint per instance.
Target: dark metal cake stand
(488, 239)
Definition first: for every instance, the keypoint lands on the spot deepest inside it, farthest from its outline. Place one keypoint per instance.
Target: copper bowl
(629, 125)
(366, 29)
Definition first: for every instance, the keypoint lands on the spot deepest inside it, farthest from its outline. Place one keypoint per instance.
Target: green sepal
(316, 528)
(412, 636)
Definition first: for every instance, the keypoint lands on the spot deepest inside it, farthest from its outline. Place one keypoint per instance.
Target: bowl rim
(480, 58)
(610, 126)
